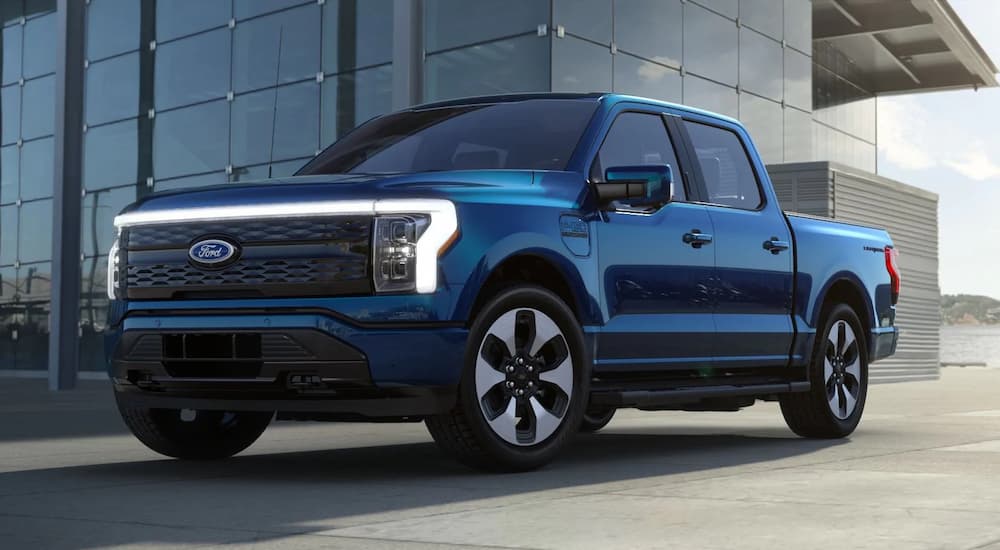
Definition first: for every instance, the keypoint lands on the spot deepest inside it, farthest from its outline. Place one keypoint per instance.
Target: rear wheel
(596, 418)
(195, 435)
(833, 405)
(523, 385)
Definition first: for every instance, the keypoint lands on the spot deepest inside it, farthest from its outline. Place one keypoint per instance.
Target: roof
(904, 46)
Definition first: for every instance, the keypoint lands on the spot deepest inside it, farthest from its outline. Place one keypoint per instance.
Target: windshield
(538, 134)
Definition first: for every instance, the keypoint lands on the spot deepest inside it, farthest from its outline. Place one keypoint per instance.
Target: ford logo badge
(212, 252)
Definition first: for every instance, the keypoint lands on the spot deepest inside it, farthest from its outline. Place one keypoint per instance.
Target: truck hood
(563, 189)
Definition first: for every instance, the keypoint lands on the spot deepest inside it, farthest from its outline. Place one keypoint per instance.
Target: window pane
(710, 96)
(34, 7)
(250, 8)
(8, 235)
(798, 24)
(112, 27)
(579, 66)
(11, 12)
(637, 139)
(710, 45)
(516, 65)
(451, 23)
(182, 17)
(9, 162)
(40, 46)
(36, 169)
(587, 18)
(35, 235)
(763, 15)
(110, 155)
(798, 136)
(10, 112)
(296, 129)
(189, 182)
(287, 168)
(256, 44)
(760, 64)
(112, 89)
(8, 288)
(729, 178)
(763, 120)
(729, 8)
(97, 228)
(193, 69)
(650, 29)
(798, 79)
(11, 53)
(351, 99)
(643, 78)
(250, 173)
(361, 40)
(191, 140)
(39, 106)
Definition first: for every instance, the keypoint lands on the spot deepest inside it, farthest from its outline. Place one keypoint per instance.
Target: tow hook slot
(304, 381)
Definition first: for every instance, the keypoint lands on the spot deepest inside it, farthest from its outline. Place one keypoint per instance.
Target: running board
(655, 398)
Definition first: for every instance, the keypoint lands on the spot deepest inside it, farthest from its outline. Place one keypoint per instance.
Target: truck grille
(297, 257)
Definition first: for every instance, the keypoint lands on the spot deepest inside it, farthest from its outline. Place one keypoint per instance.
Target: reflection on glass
(763, 120)
(350, 99)
(97, 218)
(36, 169)
(580, 66)
(38, 107)
(587, 18)
(287, 168)
(35, 232)
(191, 140)
(639, 77)
(110, 155)
(112, 89)
(182, 17)
(256, 43)
(11, 51)
(39, 46)
(798, 79)
(250, 8)
(8, 228)
(10, 113)
(710, 45)
(11, 12)
(763, 15)
(356, 34)
(729, 8)
(8, 290)
(710, 96)
(9, 162)
(451, 23)
(189, 182)
(798, 136)
(295, 127)
(760, 64)
(193, 69)
(112, 27)
(798, 24)
(93, 313)
(515, 65)
(650, 29)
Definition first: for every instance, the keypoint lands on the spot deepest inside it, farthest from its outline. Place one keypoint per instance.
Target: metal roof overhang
(904, 46)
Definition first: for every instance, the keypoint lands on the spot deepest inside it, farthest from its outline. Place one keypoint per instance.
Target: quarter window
(638, 139)
(729, 178)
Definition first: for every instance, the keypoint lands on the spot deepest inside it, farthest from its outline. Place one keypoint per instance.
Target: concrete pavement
(923, 471)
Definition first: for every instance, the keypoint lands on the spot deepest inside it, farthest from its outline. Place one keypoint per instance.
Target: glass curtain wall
(27, 100)
(844, 111)
(187, 93)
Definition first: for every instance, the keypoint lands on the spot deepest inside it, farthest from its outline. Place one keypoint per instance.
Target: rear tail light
(892, 266)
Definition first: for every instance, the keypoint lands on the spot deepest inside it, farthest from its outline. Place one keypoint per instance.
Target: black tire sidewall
(594, 420)
(840, 312)
(525, 297)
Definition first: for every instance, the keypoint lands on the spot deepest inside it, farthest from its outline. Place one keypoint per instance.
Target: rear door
(753, 256)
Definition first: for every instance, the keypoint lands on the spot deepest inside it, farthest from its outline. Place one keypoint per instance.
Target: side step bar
(655, 398)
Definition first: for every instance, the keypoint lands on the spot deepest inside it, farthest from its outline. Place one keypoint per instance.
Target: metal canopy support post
(407, 53)
(64, 356)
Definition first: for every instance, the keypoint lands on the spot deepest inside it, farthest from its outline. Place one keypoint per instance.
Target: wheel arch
(846, 289)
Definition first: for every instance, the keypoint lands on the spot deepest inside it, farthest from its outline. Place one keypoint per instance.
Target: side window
(637, 139)
(729, 178)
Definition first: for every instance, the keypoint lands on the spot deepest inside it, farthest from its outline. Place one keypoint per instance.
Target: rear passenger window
(729, 178)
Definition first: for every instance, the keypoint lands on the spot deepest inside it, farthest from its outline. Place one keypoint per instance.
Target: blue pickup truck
(509, 270)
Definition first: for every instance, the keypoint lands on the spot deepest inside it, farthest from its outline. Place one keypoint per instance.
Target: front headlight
(114, 270)
(408, 237)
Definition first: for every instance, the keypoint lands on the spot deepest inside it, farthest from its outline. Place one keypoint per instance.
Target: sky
(949, 143)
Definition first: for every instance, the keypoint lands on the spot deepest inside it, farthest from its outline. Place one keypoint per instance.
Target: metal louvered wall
(910, 215)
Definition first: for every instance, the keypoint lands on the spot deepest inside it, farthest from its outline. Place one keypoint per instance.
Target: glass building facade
(186, 93)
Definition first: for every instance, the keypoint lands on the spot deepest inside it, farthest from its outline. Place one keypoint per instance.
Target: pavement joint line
(261, 537)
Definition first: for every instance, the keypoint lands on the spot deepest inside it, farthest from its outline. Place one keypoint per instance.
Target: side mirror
(648, 183)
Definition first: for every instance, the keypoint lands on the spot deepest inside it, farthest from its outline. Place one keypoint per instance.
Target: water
(971, 343)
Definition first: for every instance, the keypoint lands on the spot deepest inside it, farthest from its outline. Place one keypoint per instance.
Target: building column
(64, 323)
(407, 53)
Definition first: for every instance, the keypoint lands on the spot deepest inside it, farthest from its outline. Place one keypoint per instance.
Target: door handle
(696, 238)
(774, 246)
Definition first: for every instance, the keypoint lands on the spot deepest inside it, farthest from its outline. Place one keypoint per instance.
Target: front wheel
(523, 385)
(839, 380)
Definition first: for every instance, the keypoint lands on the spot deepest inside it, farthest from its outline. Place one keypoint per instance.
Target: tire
(596, 418)
(833, 406)
(550, 368)
(195, 435)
